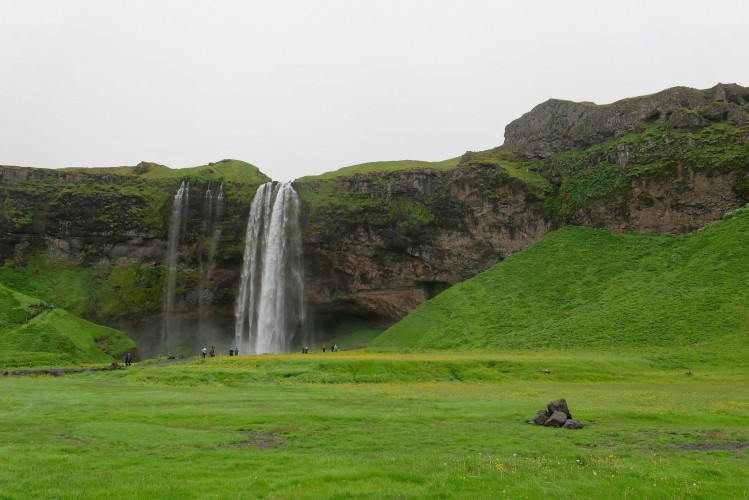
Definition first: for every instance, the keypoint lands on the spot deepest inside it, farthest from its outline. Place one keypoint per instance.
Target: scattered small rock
(571, 423)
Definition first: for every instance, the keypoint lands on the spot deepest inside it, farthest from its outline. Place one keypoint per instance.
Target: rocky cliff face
(412, 234)
(555, 125)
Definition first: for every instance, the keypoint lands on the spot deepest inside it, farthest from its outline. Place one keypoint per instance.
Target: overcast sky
(302, 87)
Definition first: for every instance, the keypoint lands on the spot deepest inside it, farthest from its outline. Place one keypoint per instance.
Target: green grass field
(363, 425)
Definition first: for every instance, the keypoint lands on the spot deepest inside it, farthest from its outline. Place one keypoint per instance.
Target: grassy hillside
(585, 289)
(97, 294)
(40, 336)
(385, 166)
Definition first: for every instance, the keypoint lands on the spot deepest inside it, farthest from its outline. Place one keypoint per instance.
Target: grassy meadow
(359, 424)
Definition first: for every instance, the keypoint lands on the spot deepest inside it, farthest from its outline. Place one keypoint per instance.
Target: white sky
(302, 87)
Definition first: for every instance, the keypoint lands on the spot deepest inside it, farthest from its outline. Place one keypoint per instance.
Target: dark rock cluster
(557, 414)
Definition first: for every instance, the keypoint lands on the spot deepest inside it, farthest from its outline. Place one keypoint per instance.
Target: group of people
(233, 351)
(334, 348)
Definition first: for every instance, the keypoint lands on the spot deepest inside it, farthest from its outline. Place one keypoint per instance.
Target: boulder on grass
(541, 417)
(571, 423)
(557, 419)
(559, 405)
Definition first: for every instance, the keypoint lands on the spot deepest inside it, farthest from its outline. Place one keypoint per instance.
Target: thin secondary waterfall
(270, 312)
(211, 237)
(219, 211)
(176, 220)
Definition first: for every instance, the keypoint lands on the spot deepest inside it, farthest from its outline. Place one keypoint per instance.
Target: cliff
(377, 245)
(556, 125)
(380, 243)
(380, 238)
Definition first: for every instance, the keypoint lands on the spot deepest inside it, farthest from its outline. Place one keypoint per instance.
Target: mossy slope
(585, 289)
(41, 335)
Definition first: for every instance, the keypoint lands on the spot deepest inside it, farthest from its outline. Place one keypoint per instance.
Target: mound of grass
(372, 367)
(384, 166)
(583, 289)
(223, 171)
(34, 334)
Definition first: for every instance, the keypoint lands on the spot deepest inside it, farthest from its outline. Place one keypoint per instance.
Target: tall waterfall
(176, 220)
(270, 312)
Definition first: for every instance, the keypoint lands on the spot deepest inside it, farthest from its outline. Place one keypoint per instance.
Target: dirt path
(57, 372)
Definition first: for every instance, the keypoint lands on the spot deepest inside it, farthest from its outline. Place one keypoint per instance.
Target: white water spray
(270, 312)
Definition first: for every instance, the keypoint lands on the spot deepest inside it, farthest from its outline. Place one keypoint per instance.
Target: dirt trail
(57, 372)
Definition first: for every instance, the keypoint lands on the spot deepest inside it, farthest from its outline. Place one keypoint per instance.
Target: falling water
(270, 313)
(211, 218)
(216, 232)
(176, 219)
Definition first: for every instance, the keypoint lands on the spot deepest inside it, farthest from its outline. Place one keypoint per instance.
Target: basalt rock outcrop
(557, 125)
(388, 241)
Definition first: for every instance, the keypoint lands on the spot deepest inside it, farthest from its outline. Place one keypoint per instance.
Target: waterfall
(270, 313)
(211, 218)
(216, 232)
(177, 218)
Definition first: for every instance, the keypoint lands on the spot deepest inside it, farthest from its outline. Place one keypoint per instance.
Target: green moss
(96, 294)
(606, 170)
(509, 164)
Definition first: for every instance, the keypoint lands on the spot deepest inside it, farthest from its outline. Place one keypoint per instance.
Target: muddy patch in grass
(261, 440)
(730, 446)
